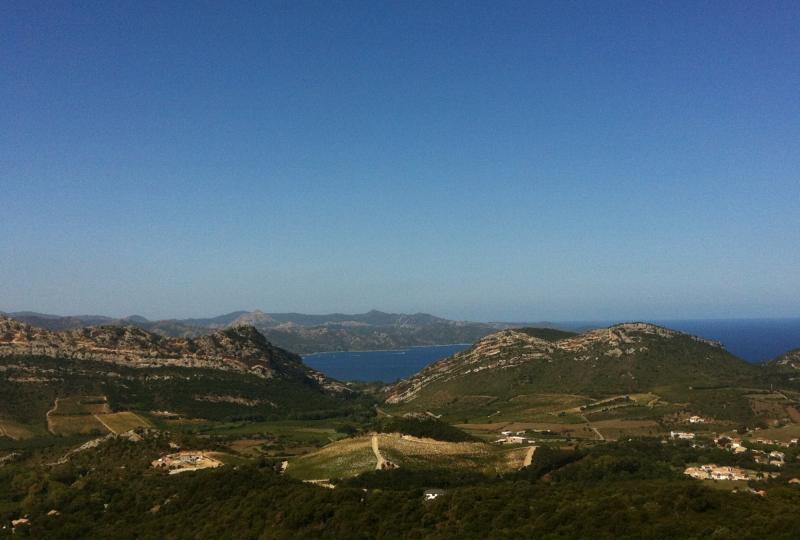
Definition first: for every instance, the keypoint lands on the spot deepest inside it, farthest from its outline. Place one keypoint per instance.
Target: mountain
(512, 367)
(233, 372)
(300, 332)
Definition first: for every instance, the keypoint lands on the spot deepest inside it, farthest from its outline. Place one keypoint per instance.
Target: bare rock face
(240, 348)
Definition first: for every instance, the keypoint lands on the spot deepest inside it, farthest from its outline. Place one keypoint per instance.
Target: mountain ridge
(301, 333)
(242, 349)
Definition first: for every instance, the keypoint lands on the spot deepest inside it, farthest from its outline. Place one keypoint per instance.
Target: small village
(186, 461)
(716, 472)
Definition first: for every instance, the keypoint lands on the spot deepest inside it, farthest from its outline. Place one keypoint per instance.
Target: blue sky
(481, 160)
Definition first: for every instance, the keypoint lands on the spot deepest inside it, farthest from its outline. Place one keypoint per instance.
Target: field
(122, 421)
(76, 415)
(412, 452)
(79, 405)
(75, 425)
(782, 434)
(285, 437)
(86, 415)
(342, 459)
(15, 430)
(608, 429)
(351, 457)
(617, 429)
(483, 408)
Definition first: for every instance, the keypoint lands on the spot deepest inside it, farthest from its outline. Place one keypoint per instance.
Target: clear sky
(482, 160)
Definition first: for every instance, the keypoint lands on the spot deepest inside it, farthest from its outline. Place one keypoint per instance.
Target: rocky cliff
(241, 349)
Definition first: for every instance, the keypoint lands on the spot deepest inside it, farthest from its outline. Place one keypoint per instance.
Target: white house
(431, 494)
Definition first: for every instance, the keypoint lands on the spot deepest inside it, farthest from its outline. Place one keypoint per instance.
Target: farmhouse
(681, 435)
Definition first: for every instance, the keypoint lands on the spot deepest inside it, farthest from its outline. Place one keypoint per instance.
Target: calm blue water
(755, 340)
(386, 366)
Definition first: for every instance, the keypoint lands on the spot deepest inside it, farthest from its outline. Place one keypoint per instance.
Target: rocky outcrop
(789, 361)
(241, 349)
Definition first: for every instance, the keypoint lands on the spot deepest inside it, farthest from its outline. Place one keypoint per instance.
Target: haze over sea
(754, 340)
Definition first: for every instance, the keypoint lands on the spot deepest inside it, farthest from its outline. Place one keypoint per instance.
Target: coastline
(385, 350)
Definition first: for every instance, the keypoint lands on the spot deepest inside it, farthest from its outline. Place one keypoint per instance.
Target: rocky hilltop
(239, 349)
(788, 362)
(623, 357)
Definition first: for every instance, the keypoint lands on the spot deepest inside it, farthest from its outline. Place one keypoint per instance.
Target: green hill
(522, 372)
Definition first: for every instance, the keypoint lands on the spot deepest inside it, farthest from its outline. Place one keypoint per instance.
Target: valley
(528, 407)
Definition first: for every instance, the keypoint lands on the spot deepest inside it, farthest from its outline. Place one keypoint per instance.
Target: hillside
(787, 363)
(515, 371)
(300, 332)
(232, 373)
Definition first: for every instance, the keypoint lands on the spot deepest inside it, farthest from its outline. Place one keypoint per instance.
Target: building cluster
(771, 442)
(514, 437)
(764, 457)
(185, 461)
(769, 458)
(717, 472)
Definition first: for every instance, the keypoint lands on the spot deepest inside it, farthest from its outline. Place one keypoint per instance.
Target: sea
(384, 366)
(754, 340)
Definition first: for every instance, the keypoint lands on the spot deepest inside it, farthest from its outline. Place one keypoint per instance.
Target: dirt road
(47, 416)
(529, 457)
(375, 450)
(97, 417)
(590, 426)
